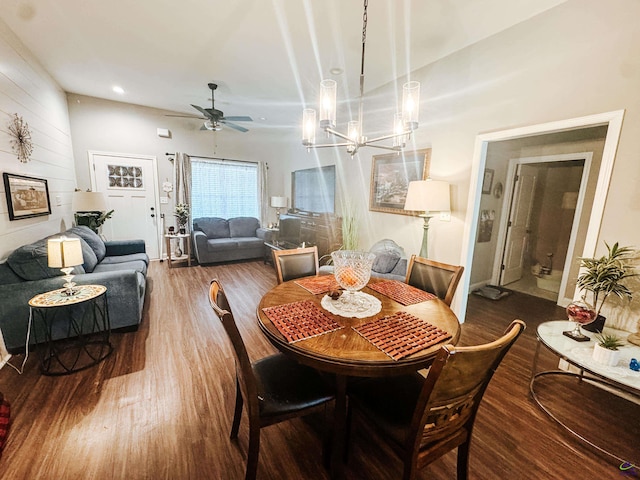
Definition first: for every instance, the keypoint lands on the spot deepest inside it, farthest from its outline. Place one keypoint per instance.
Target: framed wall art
(26, 196)
(487, 181)
(390, 177)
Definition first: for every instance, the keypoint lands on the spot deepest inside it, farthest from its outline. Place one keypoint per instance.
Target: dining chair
(295, 263)
(441, 279)
(275, 388)
(424, 418)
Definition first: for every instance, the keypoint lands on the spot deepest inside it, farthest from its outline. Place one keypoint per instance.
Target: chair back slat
(438, 278)
(454, 387)
(244, 370)
(295, 263)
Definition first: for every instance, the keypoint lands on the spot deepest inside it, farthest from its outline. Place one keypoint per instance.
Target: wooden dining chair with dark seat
(441, 279)
(422, 419)
(295, 263)
(275, 388)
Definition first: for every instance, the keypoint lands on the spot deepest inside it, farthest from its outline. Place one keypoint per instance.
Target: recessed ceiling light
(118, 89)
(336, 71)
(262, 118)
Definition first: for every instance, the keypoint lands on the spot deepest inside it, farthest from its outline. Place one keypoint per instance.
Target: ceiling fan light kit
(404, 123)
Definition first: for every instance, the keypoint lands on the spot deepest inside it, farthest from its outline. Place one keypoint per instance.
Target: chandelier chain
(364, 22)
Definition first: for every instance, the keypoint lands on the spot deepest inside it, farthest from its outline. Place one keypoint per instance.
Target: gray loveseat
(121, 266)
(390, 261)
(219, 240)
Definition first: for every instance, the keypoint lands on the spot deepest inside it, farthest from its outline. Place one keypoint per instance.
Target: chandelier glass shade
(404, 122)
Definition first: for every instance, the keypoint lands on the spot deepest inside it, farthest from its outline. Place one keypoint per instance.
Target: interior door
(519, 222)
(129, 183)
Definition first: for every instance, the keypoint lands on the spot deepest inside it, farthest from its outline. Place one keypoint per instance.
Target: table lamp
(65, 253)
(278, 203)
(428, 196)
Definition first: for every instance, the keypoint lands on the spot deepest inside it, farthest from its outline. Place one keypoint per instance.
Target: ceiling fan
(215, 119)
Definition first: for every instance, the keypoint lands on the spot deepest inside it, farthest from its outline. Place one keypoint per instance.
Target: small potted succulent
(181, 212)
(606, 350)
(602, 277)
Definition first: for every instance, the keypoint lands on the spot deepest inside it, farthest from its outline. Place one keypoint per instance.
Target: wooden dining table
(345, 352)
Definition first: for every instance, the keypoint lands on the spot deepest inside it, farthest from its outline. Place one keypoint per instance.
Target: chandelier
(404, 123)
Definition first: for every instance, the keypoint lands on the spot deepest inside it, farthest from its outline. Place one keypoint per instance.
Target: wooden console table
(321, 229)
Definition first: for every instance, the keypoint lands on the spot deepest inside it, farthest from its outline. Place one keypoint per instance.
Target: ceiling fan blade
(239, 118)
(234, 126)
(201, 110)
(203, 128)
(214, 112)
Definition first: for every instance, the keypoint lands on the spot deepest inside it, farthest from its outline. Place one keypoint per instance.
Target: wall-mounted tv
(314, 189)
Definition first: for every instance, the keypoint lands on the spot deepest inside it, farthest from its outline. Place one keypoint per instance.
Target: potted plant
(605, 351)
(602, 277)
(181, 212)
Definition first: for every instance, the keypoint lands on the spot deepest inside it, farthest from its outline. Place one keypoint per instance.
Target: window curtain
(182, 181)
(263, 193)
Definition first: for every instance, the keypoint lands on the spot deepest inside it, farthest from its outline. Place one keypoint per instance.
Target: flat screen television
(314, 189)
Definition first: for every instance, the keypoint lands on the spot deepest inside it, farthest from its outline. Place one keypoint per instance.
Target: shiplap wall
(28, 90)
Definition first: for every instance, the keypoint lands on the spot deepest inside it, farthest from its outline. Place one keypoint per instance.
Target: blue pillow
(385, 262)
(92, 238)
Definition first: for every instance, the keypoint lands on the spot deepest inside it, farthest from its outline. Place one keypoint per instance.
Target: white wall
(26, 89)
(109, 126)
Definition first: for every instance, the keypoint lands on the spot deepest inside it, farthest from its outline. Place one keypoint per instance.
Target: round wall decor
(498, 190)
(20, 138)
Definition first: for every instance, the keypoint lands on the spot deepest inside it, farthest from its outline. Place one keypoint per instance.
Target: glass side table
(76, 329)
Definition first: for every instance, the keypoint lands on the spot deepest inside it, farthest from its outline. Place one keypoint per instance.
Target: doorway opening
(539, 228)
(479, 258)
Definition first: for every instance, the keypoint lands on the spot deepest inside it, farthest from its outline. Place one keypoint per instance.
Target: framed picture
(487, 182)
(26, 196)
(390, 177)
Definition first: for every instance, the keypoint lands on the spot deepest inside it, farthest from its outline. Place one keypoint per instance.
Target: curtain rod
(212, 158)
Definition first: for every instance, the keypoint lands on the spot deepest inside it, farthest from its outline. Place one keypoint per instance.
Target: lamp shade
(428, 196)
(63, 252)
(279, 202)
(88, 202)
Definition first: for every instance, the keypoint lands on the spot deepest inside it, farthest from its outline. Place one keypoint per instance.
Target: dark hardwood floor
(160, 406)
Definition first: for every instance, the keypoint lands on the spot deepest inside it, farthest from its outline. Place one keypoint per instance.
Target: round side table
(76, 328)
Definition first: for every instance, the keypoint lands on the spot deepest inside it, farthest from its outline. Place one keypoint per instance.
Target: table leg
(339, 428)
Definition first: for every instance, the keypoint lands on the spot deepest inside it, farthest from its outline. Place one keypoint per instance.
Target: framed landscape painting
(26, 196)
(390, 177)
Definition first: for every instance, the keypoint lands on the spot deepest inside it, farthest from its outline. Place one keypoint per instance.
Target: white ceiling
(267, 56)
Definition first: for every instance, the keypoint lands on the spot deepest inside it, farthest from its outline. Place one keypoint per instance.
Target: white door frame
(154, 171)
(508, 198)
(612, 119)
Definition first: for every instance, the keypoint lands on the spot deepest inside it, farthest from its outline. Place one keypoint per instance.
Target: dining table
(404, 336)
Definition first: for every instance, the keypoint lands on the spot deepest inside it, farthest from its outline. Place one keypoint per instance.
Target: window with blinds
(224, 188)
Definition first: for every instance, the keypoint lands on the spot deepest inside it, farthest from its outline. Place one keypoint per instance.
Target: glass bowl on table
(581, 314)
(352, 270)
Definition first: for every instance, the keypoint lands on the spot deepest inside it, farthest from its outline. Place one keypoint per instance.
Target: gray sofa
(219, 240)
(390, 261)
(121, 266)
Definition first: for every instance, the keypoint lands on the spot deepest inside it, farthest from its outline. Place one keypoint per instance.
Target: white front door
(129, 183)
(518, 227)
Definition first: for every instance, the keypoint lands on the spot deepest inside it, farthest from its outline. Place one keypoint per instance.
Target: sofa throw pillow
(92, 238)
(30, 262)
(243, 227)
(213, 227)
(385, 261)
(88, 255)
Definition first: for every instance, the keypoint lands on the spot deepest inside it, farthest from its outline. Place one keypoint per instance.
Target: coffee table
(269, 247)
(619, 378)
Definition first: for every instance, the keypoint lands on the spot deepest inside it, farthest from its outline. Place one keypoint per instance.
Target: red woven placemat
(401, 292)
(319, 284)
(401, 334)
(300, 320)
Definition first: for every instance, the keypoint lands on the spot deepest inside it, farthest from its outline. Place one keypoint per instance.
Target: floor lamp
(430, 197)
